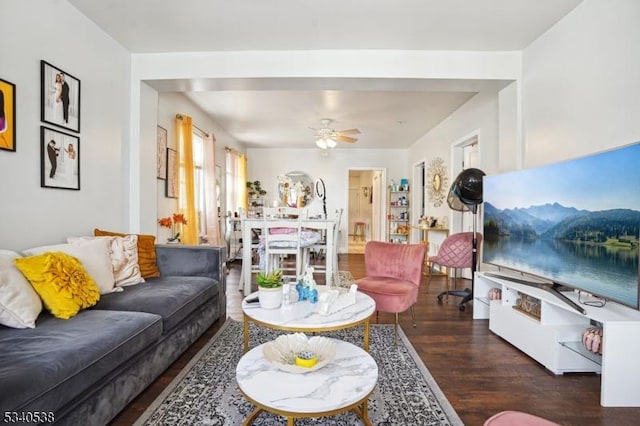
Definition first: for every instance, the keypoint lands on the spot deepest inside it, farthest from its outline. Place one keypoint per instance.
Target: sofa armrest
(192, 261)
(195, 261)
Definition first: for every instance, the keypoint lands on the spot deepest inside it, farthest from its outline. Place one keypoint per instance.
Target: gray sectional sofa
(84, 370)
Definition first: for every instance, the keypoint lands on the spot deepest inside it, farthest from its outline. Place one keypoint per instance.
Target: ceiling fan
(326, 137)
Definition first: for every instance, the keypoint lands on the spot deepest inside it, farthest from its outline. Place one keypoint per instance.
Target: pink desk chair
(394, 273)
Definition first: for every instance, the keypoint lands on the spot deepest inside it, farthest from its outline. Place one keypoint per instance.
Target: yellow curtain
(242, 184)
(186, 198)
(212, 218)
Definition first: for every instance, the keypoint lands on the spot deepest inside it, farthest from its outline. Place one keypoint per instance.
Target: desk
(249, 224)
(426, 229)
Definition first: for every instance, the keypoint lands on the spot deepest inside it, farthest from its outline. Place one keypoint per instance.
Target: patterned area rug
(205, 392)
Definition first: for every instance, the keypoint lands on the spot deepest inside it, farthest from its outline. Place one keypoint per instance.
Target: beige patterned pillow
(124, 258)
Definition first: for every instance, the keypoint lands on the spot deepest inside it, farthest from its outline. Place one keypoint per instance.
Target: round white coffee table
(303, 316)
(342, 385)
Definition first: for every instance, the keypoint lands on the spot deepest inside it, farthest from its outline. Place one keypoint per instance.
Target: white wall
(266, 164)
(581, 83)
(56, 32)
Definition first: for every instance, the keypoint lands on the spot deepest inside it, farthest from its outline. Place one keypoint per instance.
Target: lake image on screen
(575, 223)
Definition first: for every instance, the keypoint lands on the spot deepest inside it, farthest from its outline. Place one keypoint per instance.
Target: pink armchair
(394, 274)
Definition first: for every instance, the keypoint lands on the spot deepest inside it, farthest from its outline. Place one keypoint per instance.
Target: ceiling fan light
(321, 143)
(331, 143)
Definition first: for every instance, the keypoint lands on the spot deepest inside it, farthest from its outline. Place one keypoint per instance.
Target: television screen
(575, 223)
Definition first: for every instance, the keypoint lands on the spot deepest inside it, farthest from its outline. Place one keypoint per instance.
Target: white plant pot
(270, 298)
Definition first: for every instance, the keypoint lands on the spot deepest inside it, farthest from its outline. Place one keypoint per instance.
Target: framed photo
(7, 115)
(161, 164)
(59, 97)
(171, 184)
(59, 159)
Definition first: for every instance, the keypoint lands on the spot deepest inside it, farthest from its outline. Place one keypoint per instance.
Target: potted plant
(270, 289)
(254, 189)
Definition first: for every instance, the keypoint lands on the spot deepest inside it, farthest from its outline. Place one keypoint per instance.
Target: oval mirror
(295, 189)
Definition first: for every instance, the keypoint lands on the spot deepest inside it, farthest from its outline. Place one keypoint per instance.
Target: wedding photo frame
(171, 184)
(161, 160)
(59, 159)
(59, 97)
(7, 115)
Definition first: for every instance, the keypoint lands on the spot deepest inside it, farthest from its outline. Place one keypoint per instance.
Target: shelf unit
(555, 339)
(398, 229)
(255, 205)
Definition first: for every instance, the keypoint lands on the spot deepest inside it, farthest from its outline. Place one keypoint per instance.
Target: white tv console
(555, 340)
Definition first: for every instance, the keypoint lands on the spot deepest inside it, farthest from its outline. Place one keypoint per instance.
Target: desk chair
(394, 274)
(282, 239)
(321, 250)
(255, 242)
(456, 252)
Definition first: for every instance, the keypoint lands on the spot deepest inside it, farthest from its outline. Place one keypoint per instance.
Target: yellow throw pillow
(61, 282)
(146, 252)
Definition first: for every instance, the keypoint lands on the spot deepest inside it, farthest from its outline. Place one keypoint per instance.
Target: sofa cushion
(61, 282)
(94, 256)
(124, 258)
(46, 367)
(19, 303)
(171, 297)
(146, 251)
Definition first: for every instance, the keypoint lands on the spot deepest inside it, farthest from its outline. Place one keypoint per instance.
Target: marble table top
(345, 381)
(304, 315)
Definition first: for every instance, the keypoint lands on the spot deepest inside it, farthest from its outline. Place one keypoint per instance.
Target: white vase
(270, 298)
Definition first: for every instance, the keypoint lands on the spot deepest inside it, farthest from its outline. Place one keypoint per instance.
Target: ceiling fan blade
(345, 139)
(349, 132)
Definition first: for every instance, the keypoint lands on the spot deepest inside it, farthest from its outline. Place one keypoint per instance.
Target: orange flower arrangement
(173, 222)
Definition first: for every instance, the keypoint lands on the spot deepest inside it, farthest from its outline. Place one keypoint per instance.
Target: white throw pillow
(124, 258)
(94, 256)
(20, 305)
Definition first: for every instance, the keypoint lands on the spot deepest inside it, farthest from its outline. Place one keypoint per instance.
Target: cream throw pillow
(94, 256)
(124, 258)
(19, 303)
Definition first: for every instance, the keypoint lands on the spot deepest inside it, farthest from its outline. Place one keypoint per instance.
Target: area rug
(205, 391)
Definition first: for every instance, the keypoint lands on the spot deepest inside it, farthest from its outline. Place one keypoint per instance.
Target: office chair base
(466, 295)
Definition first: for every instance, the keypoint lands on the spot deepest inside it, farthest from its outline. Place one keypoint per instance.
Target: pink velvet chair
(394, 274)
(517, 418)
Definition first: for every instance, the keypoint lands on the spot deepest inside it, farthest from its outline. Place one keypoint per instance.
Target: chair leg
(413, 316)
(395, 331)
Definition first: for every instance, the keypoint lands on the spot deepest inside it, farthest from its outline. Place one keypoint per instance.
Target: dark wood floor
(479, 372)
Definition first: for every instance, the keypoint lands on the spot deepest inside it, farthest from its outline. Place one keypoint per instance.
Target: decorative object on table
(334, 299)
(528, 304)
(436, 181)
(270, 289)
(344, 279)
(161, 153)
(592, 340)
(313, 353)
(321, 192)
(495, 294)
(59, 97)
(7, 115)
(171, 183)
(174, 223)
(59, 159)
(306, 288)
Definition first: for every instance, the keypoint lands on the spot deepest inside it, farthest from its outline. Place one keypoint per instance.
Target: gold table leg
(246, 334)
(252, 417)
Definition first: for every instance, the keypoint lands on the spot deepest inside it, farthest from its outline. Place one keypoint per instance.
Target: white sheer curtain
(212, 218)
(236, 165)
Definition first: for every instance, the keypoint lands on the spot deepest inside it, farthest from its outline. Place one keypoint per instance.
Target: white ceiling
(280, 115)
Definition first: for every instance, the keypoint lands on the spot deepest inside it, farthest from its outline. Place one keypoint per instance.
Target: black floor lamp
(465, 195)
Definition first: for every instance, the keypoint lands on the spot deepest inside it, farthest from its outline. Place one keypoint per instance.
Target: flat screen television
(574, 223)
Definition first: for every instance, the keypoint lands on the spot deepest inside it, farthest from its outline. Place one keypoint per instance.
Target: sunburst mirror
(437, 181)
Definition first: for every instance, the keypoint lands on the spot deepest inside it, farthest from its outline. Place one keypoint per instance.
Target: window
(236, 180)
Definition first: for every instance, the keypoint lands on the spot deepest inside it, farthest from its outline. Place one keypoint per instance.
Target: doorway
(365, 208)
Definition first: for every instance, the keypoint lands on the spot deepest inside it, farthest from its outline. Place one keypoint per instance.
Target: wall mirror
(295, 189)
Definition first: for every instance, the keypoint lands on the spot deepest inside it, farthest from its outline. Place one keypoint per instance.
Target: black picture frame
(7, 116)
(53, 108)
(171, 183)
(161, 160)
(61, 171)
